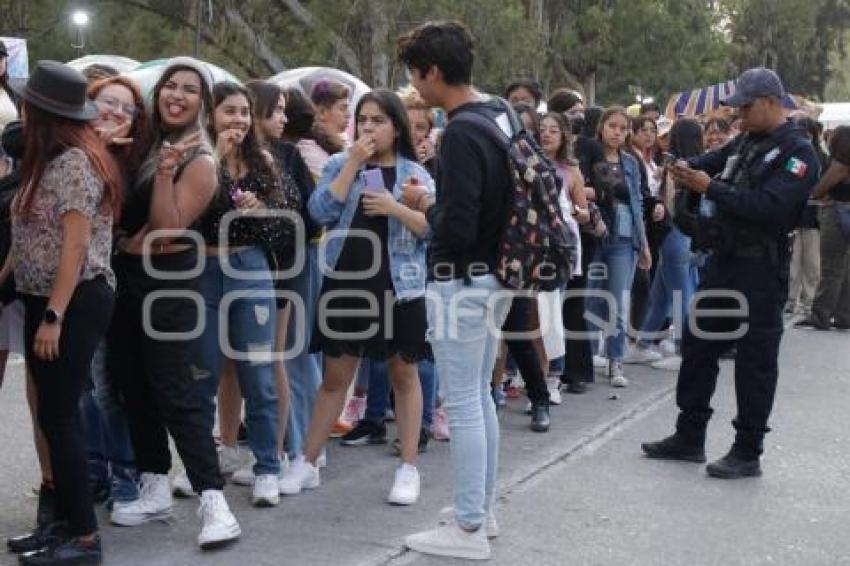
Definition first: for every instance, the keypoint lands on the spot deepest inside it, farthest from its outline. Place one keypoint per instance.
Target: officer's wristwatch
(52, 316)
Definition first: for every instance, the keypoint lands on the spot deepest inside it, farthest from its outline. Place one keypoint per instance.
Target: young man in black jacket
(465, 308)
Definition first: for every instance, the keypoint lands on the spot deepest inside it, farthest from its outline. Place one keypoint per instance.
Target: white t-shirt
(8, 112)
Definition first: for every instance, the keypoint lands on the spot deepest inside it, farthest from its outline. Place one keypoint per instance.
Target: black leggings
(522, 349)
(59, 385)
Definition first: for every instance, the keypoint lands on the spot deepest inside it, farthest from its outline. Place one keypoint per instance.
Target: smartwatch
(52, 316)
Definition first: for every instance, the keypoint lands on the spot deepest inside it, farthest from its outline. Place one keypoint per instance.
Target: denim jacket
(631, 172)
(406, 249)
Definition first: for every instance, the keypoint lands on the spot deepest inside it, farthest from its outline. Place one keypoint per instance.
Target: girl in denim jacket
(372, 303)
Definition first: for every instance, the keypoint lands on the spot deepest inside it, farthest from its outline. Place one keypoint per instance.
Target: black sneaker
(68, 552)
(424, 438)
(734, 466)
(675, 447)
(40, 538)
(366, 432)
(540, 417)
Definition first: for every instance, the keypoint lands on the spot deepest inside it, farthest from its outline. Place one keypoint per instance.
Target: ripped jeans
(240, 313)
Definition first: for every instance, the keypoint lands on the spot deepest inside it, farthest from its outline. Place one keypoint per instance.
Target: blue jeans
(378, 398)
(464, 323)
(305, 369)
(619, 259)
(250, 331)
(675, 279)
(111, 459)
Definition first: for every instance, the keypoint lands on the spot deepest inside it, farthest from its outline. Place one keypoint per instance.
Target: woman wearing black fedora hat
(62, 221)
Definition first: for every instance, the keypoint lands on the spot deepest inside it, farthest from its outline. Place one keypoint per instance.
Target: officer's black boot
(742, 460)
(47, 528)
(686, 444)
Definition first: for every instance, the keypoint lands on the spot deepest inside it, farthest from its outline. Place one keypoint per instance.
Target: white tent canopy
(834, 114)
(119, 63)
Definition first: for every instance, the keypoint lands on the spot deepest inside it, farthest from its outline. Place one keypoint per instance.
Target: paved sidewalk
(346, 521)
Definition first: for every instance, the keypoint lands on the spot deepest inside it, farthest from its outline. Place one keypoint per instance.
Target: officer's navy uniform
(760, 184)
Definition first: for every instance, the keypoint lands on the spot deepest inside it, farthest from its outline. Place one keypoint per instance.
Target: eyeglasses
(553, 131)
(114, 105)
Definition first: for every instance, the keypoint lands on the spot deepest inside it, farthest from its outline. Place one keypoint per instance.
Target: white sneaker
(218, 525)
(673, 363)
(600, 362)
(154, 503)
(266, 490)
(245, 476)
(615, 374)
(405, 490)
(301, 475)
(553, 384)
(639, 355)
(181, 486)
(322, 460)
(449, 539)
(667, 347)
(230, 459)
(491, 525)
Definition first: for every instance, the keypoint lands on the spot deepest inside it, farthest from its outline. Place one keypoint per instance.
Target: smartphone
(667, 158)
(373, 180)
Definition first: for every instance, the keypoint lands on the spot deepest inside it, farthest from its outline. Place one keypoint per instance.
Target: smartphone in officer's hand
(373, 180)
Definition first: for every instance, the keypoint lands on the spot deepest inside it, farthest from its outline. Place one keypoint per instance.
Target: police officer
(749, 195)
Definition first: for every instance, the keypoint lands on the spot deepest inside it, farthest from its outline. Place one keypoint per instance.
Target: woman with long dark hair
(358, 194)
(123, 125)
(237, 283)
(616, 181)
(148, 354)
(61, 243)
(675, 278)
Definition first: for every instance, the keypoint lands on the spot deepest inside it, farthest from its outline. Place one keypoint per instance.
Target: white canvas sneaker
(218, 525)
(638, 355)
(449, 539)
(673, 363)
(154, 503)
(616, 376)
(266, 490)
(405, 490)
(230, 459)
(245, 476)
(491, 525)
(181, 486)
(301, 475)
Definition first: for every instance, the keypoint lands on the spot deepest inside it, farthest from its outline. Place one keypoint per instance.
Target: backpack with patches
(537, 250)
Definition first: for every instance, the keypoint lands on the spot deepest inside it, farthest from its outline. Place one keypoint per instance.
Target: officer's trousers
(739, 302)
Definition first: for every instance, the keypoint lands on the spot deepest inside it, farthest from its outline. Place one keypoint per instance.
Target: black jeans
(765, 287)
(578, 365)
(59, 384)
(153, 374)
(522, 349)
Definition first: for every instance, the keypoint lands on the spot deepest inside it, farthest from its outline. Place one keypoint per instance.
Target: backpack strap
(489, 126)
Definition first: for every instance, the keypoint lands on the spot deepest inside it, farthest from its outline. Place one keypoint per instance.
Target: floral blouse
(69, 183)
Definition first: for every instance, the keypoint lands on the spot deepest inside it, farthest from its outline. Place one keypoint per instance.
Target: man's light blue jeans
(464, 323)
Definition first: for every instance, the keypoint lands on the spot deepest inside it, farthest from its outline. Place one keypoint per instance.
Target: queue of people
(229, 245)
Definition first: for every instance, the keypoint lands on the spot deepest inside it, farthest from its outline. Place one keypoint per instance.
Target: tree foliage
(609, 49)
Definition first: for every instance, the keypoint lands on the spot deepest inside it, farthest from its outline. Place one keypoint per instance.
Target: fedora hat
(58, 89)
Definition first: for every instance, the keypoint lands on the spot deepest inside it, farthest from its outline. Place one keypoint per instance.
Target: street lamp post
(80, 20)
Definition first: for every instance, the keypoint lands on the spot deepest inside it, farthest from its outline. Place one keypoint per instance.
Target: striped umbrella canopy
(707, 99)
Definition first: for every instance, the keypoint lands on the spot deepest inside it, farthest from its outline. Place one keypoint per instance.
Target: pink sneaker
(354, 410)
(440, 426)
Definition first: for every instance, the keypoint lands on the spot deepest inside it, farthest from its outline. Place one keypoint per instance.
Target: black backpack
(537, 250)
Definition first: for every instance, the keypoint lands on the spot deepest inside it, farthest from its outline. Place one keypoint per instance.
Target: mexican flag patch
(796, 167)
